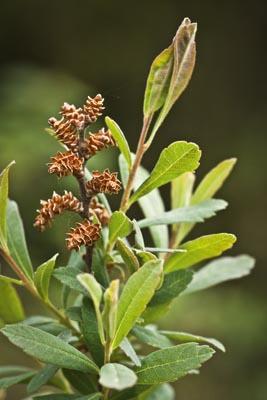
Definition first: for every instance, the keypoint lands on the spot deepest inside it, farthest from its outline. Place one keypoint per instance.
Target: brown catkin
(104, 182)
(97, 142)
(100, 211)
(65, 132)
(55, 206)
(85, 233)
(64, 164)
(93, 108)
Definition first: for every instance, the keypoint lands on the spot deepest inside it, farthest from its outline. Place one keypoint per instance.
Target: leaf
(93, 396)
(207, 188)
(170, 364)
(159, 234)
(80, 381)
(120, 140)
(7, 382)
(90, 332)
(43, 275)
(160, 392)
(117, 376)
(173, 284)
(158, 81)
(48, 348)
(7, 279)
(154, 313)
(135, 296)
(221, 270)
(151, 337)
(200, 249)
(12, 369)
(68, 276)
(119, 226)
(184, 54)
(181, 190)
(128, 349)
(163, 250)
(16, 240)
(127, 255)
(196, 213)
(11, 309)
(176, 159)
(138, 237)
(41, 378)
(99, 268)
(109, 314)
(3, 205)
(188, 337)
(89, 282)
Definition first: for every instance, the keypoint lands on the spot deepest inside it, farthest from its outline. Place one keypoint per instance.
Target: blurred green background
(55, 51)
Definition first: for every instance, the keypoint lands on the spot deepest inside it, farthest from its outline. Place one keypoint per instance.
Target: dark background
(55, 51)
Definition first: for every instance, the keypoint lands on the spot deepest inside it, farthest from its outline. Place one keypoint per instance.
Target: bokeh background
(55, 51)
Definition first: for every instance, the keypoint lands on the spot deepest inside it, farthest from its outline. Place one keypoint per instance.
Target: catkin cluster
(70, 130)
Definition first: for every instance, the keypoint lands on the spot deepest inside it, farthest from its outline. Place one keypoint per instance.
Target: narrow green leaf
(43, 275)
(3, 205)
(181, 190)
(7, 279)
(176, 159)
(158, 81)
(6, 383)
(6, 370)
(99, 267)
(153, 314)
(135, 296)
(90, 332)
(117, 376)
(109, 314)
(173, 284)
(221, 270)
(11, 309)
(120, 140)
(196, 213)
(16, 240)
(48, 348)
(160, 392)
(128, 349)
(163, 250)
(41, 378)
(188, 337)
(170, 364)
(68, 276)
(139, 239)
(127, 255)
(200, 249)
(119, 226)
(151, 337)
(80, 381)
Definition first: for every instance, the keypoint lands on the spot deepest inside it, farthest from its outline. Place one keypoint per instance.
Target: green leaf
(120, 140)
(117, 376)
(109, 314)
(158, 81)
(184, 54)
(41, 378)
(99, 268)
(6, 383)
(3, 205)
(16, 240)
(176, 159)
(89, 282)
(90, 332)
(48, 348)
(170, 364)
(128, 349)
(200, 249)
(138, 237)
(188, 337)
(196, 213)
(7, 279)
(11, 309)
(221, 270)
(160, 392)
(127, 255)
(207, 188)
(12, 369)
(135, 296)
(153, 314)
(94, 396)
(151, 337)
(159, 234)
(80, 381)
(173, 284)
(119, 226)
(43, 275)
(68, 276)
(181, 190)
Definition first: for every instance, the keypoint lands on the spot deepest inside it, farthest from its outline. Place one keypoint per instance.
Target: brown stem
(141, 149)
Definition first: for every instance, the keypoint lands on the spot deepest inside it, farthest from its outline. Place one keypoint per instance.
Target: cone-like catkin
(93, 108)
(65, 131)
(54, 206)
(100, 211)
(85, 233)
(67, 163)
(97, 142)
(104, 182)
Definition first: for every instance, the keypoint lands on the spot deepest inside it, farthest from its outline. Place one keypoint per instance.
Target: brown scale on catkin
(104, 182)
(100, 211)
(64, 164)
(65, 132)
(96, 142)
(93, 108)
(55, 206)
(85, 233)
